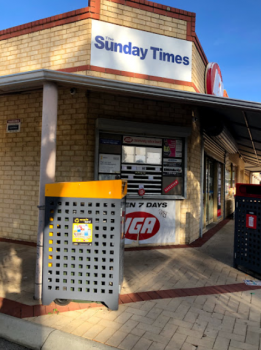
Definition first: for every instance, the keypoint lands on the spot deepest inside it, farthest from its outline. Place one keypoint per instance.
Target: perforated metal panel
(247, 247)
(85, 271)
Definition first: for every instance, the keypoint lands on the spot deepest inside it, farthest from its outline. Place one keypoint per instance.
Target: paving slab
(148, 270)
(188, 314)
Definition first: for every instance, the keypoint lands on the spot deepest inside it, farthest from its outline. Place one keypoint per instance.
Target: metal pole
(47, 169)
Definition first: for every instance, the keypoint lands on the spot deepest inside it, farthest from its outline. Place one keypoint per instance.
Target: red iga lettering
(141, 224)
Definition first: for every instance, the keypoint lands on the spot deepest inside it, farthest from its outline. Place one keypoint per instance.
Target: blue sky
(229, 32)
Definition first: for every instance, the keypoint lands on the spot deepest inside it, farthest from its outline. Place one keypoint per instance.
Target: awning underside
(245, 126)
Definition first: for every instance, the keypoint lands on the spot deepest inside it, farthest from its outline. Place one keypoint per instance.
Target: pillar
(47, 169)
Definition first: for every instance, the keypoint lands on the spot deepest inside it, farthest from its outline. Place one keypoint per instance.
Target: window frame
(145, 130)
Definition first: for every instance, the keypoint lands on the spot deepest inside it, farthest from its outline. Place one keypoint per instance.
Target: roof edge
(33, 79)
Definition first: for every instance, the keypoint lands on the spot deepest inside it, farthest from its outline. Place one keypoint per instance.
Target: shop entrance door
(209, 190)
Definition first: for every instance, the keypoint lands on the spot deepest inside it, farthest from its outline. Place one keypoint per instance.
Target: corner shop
(113, 99)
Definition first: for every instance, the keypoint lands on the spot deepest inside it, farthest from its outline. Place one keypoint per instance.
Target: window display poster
(172, 148)
(109, 163)
(110, 143)
(172, 167)
(150, 221)
(172, 185)
(172, 162)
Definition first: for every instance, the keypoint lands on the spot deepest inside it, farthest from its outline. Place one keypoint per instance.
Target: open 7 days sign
(135, 51)
(150, 221)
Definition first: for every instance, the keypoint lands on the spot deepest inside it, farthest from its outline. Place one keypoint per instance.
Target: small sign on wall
(13, 125)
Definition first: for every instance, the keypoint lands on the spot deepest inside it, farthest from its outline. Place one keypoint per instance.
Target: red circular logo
(128, 139)
(214, 80)
(141, 192)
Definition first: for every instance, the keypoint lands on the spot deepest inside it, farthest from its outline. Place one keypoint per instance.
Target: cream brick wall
(190, 208)
(59, 47)
(20, 157)
(73, 146)
(69, 45)
(139, 81)
(142, 20)
(20, 152)
(198, 70)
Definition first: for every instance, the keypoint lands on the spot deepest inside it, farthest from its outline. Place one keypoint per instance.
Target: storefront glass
(155, 165)
(209, 190)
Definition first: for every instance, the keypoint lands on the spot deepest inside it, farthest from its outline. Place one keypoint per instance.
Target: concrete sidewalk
(229, 318)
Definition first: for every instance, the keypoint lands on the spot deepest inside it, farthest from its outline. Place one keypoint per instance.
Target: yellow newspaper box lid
(112, 189)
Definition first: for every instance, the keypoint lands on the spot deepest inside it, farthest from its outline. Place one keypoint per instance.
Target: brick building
(103, 103)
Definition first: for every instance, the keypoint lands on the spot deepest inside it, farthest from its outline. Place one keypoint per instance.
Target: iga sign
(150, 222)
(141, 225)
(136, 51)
(214, 81)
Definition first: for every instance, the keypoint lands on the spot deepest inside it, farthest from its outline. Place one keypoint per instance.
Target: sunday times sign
(135, 51)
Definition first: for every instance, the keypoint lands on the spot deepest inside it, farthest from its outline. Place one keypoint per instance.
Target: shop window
(153, 164)
(230, 180)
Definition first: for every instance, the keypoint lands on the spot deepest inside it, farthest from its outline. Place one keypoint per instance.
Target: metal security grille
(149, 175)
(84, 271)
(247, 247)
(212, 149)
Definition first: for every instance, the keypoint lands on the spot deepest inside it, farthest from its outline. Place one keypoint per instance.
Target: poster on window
(150, 221)
(109, 163)
(172, 148)
(172, 166)
(172, 185)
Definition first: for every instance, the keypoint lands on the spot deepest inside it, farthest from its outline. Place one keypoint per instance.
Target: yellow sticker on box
(82, 230)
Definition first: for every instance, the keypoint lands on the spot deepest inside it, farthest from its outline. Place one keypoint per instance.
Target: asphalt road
(6, 345)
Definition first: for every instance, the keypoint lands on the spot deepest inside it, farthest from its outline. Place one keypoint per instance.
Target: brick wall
(190, 208)
(55, 48)
(20, 159)
(60, 46)
(198, 70)
(130, 79)
(73, 146)
(20, 152)
(142, 20)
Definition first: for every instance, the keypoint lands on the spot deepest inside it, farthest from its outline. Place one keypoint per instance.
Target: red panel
(248, 190)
